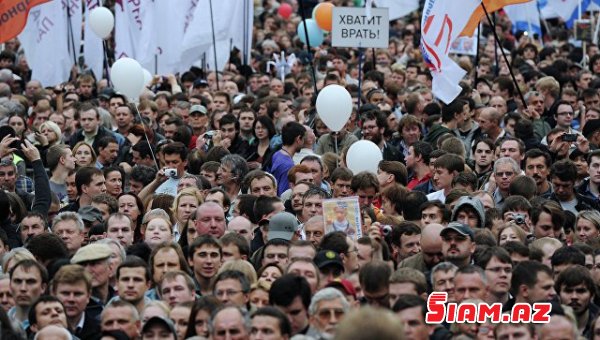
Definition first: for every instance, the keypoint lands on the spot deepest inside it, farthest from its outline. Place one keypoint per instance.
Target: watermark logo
(439, 310)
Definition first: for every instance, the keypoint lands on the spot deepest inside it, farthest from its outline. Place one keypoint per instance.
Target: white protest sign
(353, 28)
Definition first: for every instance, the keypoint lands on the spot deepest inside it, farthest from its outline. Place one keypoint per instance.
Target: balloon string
(146, 135)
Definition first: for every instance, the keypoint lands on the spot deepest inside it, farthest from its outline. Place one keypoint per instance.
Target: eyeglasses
(228, 292)
(505, 174)
(327, 313)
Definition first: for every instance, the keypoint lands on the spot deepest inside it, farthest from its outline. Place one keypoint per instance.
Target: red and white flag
(441, 24)
(135, 31)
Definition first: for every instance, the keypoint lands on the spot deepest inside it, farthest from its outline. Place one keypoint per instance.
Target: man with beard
(458, 244)
(575, 288)
(537, 166)
(373, 125)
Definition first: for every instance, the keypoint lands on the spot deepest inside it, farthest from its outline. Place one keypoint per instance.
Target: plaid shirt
(24, 184)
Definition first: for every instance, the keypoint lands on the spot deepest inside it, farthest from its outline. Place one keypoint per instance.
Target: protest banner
(343, 214)
(352, 27)
(465, 45)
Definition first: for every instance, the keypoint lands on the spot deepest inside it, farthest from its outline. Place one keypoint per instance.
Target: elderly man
(431, 250)
(327, 308)
(229, 322)
(210, 220)
(95, 259)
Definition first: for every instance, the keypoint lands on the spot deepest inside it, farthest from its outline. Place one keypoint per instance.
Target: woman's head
(511, 232)
(158, 230)
(199, 317)
(269, 273)
(84, 154)
(264, 128)
(131, 205)
(186, 203)
(51, 131)
(587, 225)
(114, 181)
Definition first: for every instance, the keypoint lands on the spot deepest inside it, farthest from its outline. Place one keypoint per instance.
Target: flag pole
(71, 37)
(360, 55)
(214, 41)
(496, 43)
(312, 67)
(477, 53)
(512, 75)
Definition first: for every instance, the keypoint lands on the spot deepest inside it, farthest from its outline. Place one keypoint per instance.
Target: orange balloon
(323, 15)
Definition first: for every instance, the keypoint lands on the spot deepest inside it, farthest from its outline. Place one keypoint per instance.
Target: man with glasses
(564, 116)
(374, 280)
(497, 265)
(505, 170)
(327, 308)
(232, 287)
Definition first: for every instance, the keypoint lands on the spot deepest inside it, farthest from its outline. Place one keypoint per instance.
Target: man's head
(45, 311)
(60, 155)
(270, 322)
(505, 170)
(241, 226)
(69, 226)
(31, 225)
(341, 179)
(315, 165)
(72, 285)
(564, 114)
(458, 243)
(119, 315)
(366, 186)
(95, 259)
(497, 265)
(291, 293)
(90, 182)
(230, 322)
(405, 240)
(210, 220)
(470, 282)
(537, 165)
(175, 156)
(28, 280)
(176, 287)
(374, 280)
(261, 183)
(89, 117)
(133, 279)
(442, 279)
(8, 175)
(327, 307)
(411, 310)
(108, 150)
(576, 288)
(232, 287)
(447, 167)
(204, 256)
(563, 175)
(548, 219)
(470, 211)
(532, 282)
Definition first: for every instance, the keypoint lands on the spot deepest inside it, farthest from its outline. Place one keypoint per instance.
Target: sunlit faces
(157, 231)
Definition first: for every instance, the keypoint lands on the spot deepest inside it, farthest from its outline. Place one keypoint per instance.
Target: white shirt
(437, 195)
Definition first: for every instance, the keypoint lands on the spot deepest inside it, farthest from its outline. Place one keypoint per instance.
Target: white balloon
(102, 21)
(147, 77)
(128, 77)
(334, 106)
(364, 155)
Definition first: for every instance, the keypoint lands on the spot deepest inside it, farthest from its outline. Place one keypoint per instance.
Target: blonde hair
(191, 191)
(82, 143)
(518, 230)
(243, 266)
(55, 128)
(17, 254)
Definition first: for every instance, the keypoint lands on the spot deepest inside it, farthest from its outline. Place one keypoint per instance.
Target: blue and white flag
(568, 10)
(525, 17)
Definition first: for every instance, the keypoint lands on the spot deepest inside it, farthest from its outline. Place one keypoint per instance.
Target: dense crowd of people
(196, 211)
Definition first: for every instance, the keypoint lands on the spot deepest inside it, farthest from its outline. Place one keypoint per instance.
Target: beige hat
(92, 252)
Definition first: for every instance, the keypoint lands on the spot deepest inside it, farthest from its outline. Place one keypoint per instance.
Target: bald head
(499, 104)
(210, 220)
(241, 226)
(559, 327)
(431, 244)
(52, 332)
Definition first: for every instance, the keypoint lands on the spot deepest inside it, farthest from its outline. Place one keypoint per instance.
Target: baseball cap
(198, 108)
(91, 252)
(345, 285)
(326, 258)
(200, 83)
(282, 225)
(90, 214)
(157, 320)
(106, 93)
(459, 228)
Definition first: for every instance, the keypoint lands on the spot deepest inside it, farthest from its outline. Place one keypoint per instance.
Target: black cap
(157, 320)
(459, 228)
(326, 258)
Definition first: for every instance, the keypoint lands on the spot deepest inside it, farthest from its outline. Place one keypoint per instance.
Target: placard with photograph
(343, 214)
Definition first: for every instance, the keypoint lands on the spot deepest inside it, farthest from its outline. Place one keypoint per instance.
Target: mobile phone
(569, 137)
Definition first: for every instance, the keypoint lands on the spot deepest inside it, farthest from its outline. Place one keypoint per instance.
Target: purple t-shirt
(281, 164)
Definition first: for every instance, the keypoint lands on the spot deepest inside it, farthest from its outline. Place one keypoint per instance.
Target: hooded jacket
(475, 204)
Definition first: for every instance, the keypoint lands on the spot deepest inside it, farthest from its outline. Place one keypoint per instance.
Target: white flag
(93, 51)
(174, 16)
(134, 31)
(74, 27)
(525, 17)
(233, 21)
(398, 8)
(44, 40)
(441, 24)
